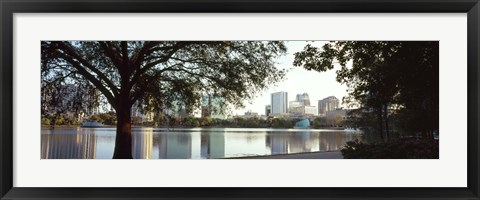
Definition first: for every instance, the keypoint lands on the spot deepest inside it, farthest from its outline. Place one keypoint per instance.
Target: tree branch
(109, 51)
(73, 54)
(97, 83)
(148, 66)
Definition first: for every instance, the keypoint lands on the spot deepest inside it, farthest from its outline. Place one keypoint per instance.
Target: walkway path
(309, 155)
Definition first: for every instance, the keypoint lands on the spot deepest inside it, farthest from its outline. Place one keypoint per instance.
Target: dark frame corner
(9, 7)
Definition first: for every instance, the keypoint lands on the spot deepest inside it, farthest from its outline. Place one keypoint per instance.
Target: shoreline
(303, 155)
(140, 126)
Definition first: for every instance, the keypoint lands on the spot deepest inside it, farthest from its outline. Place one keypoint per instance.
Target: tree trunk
(385, 114)
(123, 140)
(380, 122)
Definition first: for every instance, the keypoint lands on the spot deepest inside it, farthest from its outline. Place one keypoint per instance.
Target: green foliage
(385, 78)
(283, 123)
(191, 122)
(70, 120)
(96, 118)
(406, 148)
(238, 122)
(206, 121)
(319, 122)
(174, 121)
(45, 121)
(136, 120)
(252, 122)
(59, 119)
(109, 118)
(160, 74)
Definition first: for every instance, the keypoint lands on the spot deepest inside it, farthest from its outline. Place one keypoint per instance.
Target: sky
(318, 85)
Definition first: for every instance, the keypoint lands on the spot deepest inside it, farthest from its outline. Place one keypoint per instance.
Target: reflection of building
(279, 102)
(278, 143)
(177, 146)
(213, 107)
(328, 104)
(82, 145)
(212, 145)
(245, 144)
(142, 143)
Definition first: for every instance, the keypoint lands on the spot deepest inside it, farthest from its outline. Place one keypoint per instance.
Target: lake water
(190, 143)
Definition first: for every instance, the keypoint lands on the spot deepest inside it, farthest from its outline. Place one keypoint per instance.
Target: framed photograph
(239, 100)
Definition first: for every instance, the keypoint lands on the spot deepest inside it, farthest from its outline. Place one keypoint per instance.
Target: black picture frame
(9, 7)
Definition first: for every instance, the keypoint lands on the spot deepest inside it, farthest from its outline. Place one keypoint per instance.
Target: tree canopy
(163, 72)
(160, 73)
(384, 78)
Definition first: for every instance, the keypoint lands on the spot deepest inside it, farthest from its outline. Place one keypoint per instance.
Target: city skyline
(298, 81)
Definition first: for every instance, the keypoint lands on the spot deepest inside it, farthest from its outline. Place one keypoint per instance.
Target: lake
(190, 143)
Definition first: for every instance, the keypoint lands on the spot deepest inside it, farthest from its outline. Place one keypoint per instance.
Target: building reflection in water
(174, 145)
(152, 143)
(142, 143)
(69, 145)
(178, 145)
(248, 143)
(307, 141)
(303, 141)
(212, 144)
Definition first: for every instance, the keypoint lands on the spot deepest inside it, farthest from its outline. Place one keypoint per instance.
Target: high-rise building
(304, 110)
(328, 104)
(301, 105)
(294, 104)
(213, 107)
(268, 110)
(279, 102)
(303, 98)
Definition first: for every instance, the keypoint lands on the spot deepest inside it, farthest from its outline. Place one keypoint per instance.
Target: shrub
(45, 121)
(405, 148)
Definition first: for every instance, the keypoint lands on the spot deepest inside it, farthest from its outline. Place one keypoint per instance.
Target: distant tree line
(255, 122)
(192, 122)
(68, 119)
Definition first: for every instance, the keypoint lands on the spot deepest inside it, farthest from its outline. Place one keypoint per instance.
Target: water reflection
(65, 146)
(154, 143)
(142, 144)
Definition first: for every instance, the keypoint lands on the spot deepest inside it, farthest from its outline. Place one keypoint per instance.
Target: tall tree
(383, 75)
(159, 73)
